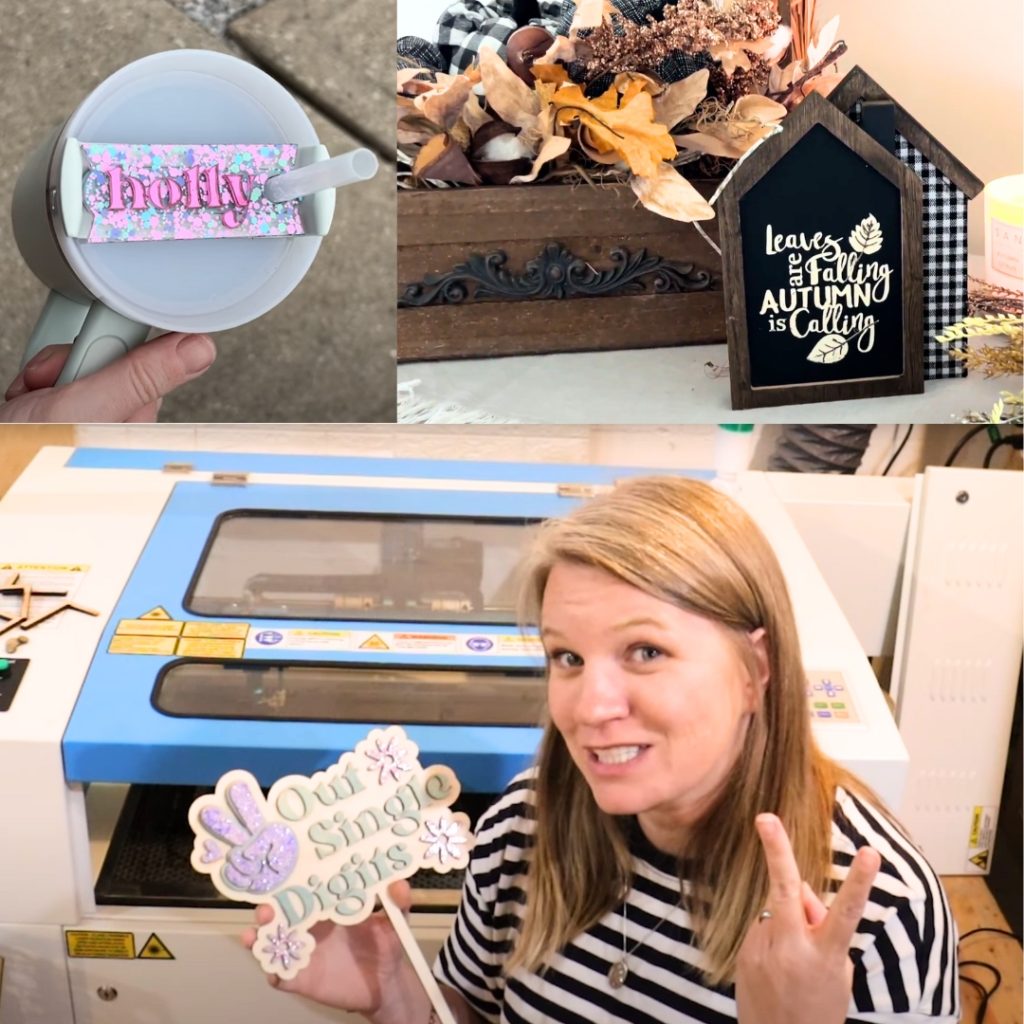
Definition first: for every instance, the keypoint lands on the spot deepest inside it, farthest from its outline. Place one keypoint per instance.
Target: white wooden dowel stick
(417, 959)
(359, 165)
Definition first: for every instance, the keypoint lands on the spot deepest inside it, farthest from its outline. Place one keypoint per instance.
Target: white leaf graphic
(830, 349)
(866, 237)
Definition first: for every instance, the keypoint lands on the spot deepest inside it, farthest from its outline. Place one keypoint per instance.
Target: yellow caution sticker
(37, 567)
(154, 949)
(100, 945)
(217, 630)
(142, 645)
(156, 613)
(976, 826)
(374, 643)
(981, 838)
(199, 647)
(149, 627)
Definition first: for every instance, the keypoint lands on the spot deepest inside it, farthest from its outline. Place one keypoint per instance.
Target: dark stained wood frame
(812, 111)
(439, 228)
(859, 86)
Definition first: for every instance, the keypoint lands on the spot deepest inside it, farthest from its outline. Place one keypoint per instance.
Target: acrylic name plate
(141, 192)
(328, 846)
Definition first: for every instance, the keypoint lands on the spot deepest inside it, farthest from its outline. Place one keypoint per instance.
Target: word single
(154, 192)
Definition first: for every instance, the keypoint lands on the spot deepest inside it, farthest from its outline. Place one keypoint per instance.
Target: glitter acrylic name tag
(143, 192)
(328, 846)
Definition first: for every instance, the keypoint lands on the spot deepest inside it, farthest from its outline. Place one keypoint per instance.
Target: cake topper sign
(326, 847)
(149, 192)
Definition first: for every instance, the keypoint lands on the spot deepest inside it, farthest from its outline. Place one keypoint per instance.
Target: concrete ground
(325, 354)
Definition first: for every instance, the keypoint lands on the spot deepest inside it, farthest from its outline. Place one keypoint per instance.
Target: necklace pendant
(618, 973)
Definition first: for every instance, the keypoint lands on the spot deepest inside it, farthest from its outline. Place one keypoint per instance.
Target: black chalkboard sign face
(821, 251)
(823, 265)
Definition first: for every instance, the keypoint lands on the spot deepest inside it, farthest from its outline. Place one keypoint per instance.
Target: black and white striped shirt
(904, 952)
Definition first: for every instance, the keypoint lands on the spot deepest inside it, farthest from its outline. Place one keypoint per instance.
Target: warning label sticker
(142, 645)
(979, 842)
(486, 644)
(154, 949)
(149, 627)
(159, 612)
(100, 945)
(201, 647)
(217, 630)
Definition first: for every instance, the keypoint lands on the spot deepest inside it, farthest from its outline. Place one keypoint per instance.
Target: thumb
(147, 373)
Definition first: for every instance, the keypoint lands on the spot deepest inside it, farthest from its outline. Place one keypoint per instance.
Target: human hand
(129, 390)
(261, 856)
(795, 968)
(361, 968)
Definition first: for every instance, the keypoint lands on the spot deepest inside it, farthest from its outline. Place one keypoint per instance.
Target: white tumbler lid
(191, 96)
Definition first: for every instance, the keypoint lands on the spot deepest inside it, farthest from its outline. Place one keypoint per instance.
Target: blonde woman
(682, 853)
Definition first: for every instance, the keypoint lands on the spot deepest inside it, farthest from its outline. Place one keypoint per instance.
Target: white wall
(956, 67)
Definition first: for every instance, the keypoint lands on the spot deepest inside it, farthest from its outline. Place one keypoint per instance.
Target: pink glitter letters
(141, 192)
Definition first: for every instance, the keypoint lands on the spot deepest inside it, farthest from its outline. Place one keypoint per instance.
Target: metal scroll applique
(555, 274)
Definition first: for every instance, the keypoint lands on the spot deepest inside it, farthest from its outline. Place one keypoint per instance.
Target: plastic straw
(359, 165)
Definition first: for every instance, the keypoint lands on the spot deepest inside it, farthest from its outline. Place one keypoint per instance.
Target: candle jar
(1004, 228)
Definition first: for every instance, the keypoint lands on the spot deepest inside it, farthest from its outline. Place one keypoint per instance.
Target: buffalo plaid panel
(945, 261)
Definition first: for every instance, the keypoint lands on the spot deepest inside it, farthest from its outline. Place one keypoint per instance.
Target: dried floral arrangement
(993, 311)
(589, 106)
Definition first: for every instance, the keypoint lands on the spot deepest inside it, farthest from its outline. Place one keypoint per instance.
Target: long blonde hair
(686, 543)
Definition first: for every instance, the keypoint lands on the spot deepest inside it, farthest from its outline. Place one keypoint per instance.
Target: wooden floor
(974, 907)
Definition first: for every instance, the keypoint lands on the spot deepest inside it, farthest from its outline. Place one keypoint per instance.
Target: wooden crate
(568, 233)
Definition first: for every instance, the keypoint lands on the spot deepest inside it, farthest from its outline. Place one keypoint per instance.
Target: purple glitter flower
(444, 837)
(283, 946)
(389, 761)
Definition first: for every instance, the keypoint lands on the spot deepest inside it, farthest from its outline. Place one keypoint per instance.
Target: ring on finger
(765, 915)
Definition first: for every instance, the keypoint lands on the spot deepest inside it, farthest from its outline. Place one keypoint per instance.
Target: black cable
(896, 454)
(1013, 439)
(985, 993)
(994, 931)
(973, 432)
(982, 994)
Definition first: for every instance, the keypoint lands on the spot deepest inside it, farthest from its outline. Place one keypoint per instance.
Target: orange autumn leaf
(630, 130)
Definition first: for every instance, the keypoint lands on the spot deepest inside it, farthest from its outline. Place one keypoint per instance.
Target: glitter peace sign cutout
(326, 847)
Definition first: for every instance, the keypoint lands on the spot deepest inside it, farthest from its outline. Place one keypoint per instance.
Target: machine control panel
(829, 700)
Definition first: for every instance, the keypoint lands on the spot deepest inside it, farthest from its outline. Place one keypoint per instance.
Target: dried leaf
(508, 96)
(444, 104)
(668, 193)
(630, 130)
(823, 84)
(731, 55)
(441, 159)
(823, 43)
(681, 99)
(554, 146)
(590, 14)
(563, 48)
(474, 114)
(757, 108)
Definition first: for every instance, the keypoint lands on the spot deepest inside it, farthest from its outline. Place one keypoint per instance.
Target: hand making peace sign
(794, 966)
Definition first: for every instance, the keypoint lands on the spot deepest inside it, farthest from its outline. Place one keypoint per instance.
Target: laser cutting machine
(191, 613)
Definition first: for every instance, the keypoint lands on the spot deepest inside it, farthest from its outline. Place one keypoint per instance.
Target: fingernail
(41, 359)
(765, 821)
(196, 352)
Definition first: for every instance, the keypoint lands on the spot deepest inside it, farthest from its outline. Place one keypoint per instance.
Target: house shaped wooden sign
(821, 250)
